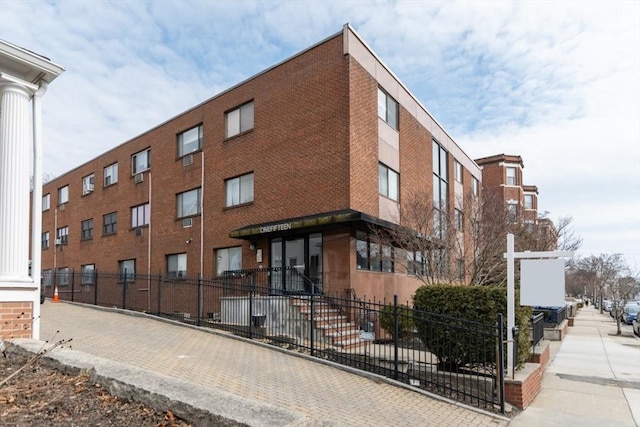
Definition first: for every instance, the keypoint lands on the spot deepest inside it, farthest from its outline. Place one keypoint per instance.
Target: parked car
(636, 326)
(606, 305)
(630, 313)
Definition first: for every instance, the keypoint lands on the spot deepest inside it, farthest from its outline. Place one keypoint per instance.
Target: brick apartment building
(289, 168)
(502, 174)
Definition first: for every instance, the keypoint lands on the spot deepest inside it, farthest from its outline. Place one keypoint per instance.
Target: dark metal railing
(537, 327)
(453, 357)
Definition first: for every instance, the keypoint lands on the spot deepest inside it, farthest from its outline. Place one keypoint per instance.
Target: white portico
(24, 77)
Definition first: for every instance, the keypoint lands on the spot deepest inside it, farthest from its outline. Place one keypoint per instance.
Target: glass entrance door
(296, 264)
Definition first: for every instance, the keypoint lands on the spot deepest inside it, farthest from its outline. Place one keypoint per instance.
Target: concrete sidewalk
(198, 372)
(593, 378)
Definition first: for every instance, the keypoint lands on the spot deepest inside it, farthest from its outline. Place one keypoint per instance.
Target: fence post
(500, 364)
(124, 290)
(159, 293)
(251, 289)
(515, 350)
(95, 284)
(73, 283)
(395, 337)
(199, 300)
(312, 323)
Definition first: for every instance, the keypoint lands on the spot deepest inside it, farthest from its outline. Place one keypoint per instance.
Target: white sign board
(542, 282)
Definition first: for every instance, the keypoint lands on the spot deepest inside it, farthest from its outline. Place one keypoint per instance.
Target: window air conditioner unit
(138, 178)
(87, 188)
(187, 160)
(138, 232)
(107, 180)
(58, 242)
(61, 207)
(187, 222)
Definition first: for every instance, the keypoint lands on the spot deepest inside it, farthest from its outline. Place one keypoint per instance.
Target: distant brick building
(289, 168)
(502, 175)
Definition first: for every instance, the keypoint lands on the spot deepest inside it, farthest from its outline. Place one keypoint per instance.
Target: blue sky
(555, 82)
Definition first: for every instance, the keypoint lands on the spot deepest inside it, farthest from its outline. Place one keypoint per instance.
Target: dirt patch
(42, 395)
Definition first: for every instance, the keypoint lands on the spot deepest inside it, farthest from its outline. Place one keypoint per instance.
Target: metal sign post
(511, 256)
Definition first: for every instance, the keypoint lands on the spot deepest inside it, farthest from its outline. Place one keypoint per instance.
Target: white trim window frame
(46, 202)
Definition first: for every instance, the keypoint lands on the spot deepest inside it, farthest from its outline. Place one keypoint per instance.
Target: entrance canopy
(309, 223)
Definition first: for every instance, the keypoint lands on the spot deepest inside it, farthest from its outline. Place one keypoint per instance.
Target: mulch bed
(41, 395)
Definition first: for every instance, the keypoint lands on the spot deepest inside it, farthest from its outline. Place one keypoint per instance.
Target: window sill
(110, 185)
(109, 234)
(87, 239)
(229, 138)
(179, 158)
(237, 206)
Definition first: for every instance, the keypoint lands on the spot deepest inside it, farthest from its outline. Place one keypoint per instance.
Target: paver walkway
(320, 394)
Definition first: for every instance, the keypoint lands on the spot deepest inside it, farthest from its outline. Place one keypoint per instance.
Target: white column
(15, 138)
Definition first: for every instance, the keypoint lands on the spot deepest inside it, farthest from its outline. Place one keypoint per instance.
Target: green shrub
(405, 320)
(449, 339)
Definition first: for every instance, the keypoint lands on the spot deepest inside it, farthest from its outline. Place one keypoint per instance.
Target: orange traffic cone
(56, 298)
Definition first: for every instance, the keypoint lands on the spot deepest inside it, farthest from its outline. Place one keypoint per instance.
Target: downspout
(36, 202)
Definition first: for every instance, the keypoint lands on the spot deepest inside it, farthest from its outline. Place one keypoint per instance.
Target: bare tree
(465, 246)
(46, 177)
(608, 275)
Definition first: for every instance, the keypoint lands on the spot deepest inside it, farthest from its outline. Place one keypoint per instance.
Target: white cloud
(555, 82)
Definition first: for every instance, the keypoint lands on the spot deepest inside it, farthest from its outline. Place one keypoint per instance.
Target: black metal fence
(453, 357)
(537, 326)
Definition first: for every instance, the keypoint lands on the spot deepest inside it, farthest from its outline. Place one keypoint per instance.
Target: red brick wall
(16, 319)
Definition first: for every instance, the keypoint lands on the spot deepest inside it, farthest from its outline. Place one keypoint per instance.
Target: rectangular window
(388, 108)
(62, 235)
(512, 212)
(63, 276)
(177, 265)
(416, 263)
(459, 220)
(460, 270)
(190, 141)
(239, 190)
(528, 201)
(87, 184)
(87, 229)
(188, 203)
(457, 169)
(127, 270)
(110, 174)
(63, 195)
(46, 202)
(511, 176)
(228, 259)
(47, 277)
(475, 186)
(239, 120)
(371, 256)
(45, 240)
(388, 182)
(88, 277)
(140, 215)
(110, 223)
(141, 161)
(440, 189)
